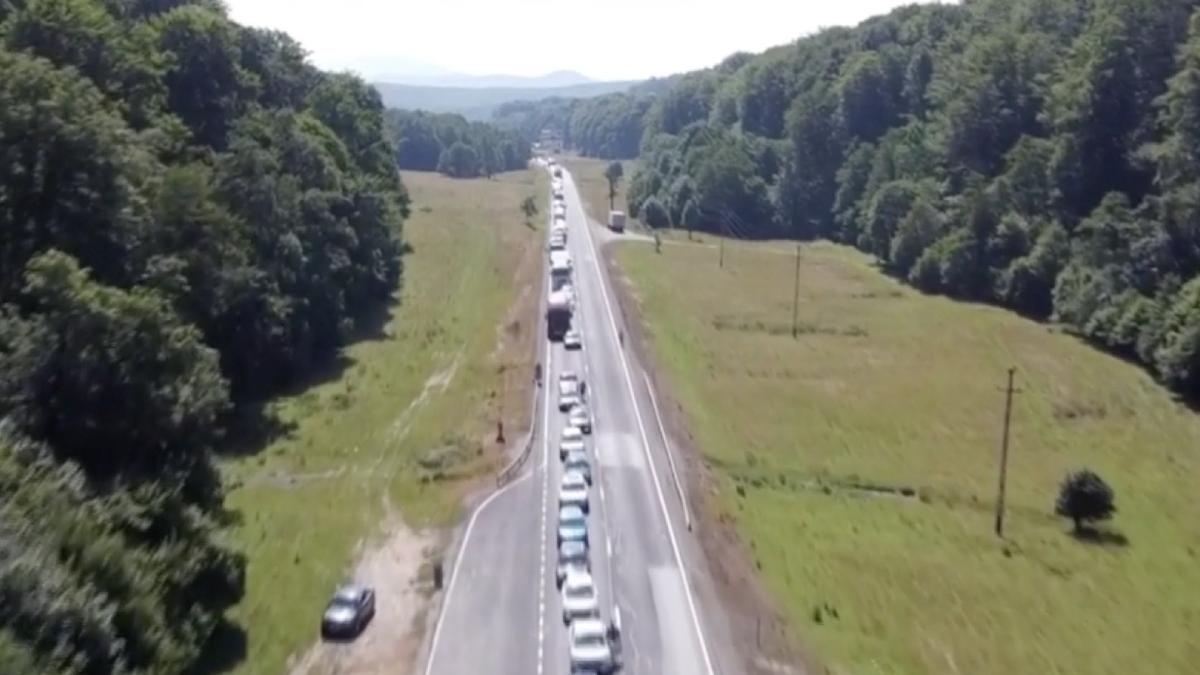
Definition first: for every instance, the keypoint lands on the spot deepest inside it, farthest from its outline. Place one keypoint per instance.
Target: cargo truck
(616, 221)
(558, 315)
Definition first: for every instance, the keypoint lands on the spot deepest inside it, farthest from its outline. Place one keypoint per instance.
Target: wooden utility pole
(1008, 396)
(724, 233)
(796, 296)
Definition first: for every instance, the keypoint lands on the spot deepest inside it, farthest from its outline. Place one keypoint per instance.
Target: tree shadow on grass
(226, 648)
(1100, 537)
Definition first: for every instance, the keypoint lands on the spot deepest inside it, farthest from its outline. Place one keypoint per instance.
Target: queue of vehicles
(593, 645)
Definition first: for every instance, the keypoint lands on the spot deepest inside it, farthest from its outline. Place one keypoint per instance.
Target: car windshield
(589, 641)
(580, 592)
(343, 603)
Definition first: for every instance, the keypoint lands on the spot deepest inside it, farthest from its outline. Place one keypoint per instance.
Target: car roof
(573, 512)
(587, 627)
(579, 578)
(577, 457)
(574, 476)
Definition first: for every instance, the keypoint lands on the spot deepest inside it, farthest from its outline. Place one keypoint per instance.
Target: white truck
(616, 221)
(561, 267)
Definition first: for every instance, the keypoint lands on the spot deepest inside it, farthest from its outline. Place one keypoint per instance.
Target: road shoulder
(727, 578)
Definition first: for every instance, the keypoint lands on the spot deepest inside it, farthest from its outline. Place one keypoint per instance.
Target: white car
(570, 441)
(573, 340)
(558, 244)
(573, 491)
(581, 417)
(589, 647)
(579, 598)
(568, 391)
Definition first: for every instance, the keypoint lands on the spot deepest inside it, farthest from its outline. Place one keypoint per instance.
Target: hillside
(479, 103)
(1037, 154)
(192, 218)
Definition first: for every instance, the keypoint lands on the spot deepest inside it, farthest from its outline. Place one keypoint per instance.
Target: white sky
(603, 39)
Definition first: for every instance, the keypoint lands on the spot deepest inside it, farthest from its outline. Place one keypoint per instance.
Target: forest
(449, 144)
(191, 218)
(1043, 155)
(607, 127)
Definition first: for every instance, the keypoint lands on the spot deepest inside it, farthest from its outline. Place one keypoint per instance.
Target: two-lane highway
(501, 612)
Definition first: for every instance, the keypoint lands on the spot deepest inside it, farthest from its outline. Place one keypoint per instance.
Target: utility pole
(796, 296)
(1008, 396)
(724, 233)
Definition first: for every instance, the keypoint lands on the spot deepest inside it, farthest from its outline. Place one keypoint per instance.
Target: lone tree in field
(613, 173)
(1084, 497)
(530, 209)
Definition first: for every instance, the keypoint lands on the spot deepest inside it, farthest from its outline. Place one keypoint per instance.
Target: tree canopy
(1040, 154)
(191, 216)
(449, 144)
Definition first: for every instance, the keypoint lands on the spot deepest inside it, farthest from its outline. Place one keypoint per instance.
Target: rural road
(501, 611)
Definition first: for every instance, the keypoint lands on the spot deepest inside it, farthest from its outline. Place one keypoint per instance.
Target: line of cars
(593, 644)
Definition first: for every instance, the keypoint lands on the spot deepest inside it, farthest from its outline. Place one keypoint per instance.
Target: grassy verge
(887, 387)
(409, 420)
(593, 186)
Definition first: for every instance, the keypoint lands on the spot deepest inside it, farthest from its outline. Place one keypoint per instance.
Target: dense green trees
(1041, 154)
(190, 217)
(448, 143)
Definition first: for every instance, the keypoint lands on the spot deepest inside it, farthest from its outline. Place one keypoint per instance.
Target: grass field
(419, 401)
(884, 386)
(593, 186)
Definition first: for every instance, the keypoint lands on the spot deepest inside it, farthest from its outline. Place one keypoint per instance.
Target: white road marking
(437, 629)
(687, 516)
(541, 650)
(662, 502)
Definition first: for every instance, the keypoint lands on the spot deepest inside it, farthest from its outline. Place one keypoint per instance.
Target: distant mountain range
(478, 98)
(559, 78)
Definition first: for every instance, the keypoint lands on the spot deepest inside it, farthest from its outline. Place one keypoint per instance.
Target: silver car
(572, 559)
(581, 417)
(571, 441)
(573, 491)
(589, 647)
(579, 598)
(573, 340)
(577, 462)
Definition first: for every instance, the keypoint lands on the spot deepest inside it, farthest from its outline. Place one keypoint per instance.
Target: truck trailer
(558, 315)
(616, 221)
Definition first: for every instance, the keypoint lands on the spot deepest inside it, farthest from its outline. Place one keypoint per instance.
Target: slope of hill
(558, 78)
(478, 103)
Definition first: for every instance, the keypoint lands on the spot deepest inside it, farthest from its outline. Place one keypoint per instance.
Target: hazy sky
(603, 39)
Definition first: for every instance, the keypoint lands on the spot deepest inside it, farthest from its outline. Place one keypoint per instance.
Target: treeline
(608, 127)
(1039, 154)
(449, 144)
(191, 216)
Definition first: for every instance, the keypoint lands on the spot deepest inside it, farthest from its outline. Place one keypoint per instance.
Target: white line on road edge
(687, 516)
(547, 375)
(662, 502)
(462, 550)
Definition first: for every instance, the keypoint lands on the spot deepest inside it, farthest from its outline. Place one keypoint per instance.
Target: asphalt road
(501, 611)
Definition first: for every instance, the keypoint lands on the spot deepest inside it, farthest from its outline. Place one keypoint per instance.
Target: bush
(655, 214)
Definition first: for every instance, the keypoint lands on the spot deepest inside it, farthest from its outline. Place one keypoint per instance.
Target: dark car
(348, 612)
